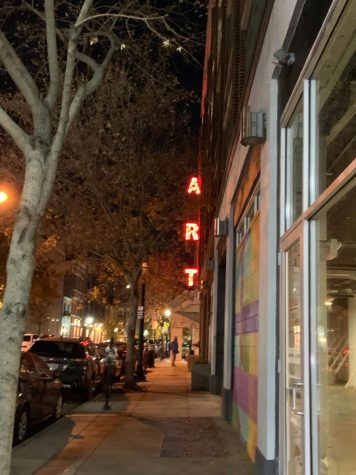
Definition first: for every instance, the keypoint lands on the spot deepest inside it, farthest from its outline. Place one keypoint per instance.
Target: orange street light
(3, 196)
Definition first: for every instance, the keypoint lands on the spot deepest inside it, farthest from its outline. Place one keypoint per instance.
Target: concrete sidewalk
(163, 430)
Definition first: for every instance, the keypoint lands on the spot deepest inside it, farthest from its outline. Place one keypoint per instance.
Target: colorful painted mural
(244, 411)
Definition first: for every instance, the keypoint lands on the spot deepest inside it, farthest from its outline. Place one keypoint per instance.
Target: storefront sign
(191, 273)
(191, 232)
(194, 186)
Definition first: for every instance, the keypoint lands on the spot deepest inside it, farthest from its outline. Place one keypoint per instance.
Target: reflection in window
(335, 335)
(336, 84)
(294, 169)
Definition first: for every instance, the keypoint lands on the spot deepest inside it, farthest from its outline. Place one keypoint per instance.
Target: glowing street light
(167, 313)
(3, 196)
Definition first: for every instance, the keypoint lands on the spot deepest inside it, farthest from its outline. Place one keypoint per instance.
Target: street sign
(140, 312)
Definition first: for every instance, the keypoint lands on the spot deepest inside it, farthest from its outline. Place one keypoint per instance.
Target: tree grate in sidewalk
(192, 437)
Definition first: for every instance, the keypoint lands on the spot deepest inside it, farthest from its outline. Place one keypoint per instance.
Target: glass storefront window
(318, 145)
(335, 335)
(335, 76)
(294, 166)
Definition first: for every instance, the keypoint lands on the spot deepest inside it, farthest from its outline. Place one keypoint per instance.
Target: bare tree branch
(20, 75)
(87, 89)
(15, 131)
(119, 15)
(65, 115)
(83, 15)
(51, 53)
(68, 81)
(87, 60)
(42, 17)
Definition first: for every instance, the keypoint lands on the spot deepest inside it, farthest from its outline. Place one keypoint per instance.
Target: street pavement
(163, 429)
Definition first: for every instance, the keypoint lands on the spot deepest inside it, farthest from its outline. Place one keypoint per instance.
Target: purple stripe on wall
(245, 392)
(246, 321)
(247, 326)
(248, 311)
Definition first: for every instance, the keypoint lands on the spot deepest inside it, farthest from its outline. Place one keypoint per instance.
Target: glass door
(295, 336)
(333, 335)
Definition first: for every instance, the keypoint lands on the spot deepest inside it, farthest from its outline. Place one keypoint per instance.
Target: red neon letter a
(194, 186)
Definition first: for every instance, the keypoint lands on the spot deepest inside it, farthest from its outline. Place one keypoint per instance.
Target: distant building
(116, 316)
(74, 300)
(44, 316)
(80, 315)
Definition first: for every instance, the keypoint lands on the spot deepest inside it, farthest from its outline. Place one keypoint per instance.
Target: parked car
(77, 360)
(28, 340)
(39, 395)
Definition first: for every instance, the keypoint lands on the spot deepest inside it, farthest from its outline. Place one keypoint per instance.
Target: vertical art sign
(192, 232)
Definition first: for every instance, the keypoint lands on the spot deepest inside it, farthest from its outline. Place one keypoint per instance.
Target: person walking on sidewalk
(110, 361)
(174, 350)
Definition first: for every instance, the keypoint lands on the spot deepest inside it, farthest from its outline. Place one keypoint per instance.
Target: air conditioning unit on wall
(220, 227)
(253, 127)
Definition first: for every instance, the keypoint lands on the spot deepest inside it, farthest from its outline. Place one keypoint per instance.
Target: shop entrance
(318, 429)
(294, 432)
(318, 432)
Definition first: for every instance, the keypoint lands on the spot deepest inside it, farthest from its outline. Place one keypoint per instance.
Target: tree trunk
(20, 264)
(131, 328)
(40, 319)
(39, 327)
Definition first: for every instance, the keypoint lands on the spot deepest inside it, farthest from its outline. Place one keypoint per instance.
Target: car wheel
(21, 426)
(59, 407)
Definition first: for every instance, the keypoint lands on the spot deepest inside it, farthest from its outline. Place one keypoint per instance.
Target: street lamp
(3, 196)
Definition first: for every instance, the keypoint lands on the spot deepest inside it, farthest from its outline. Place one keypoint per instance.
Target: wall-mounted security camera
(284, 58)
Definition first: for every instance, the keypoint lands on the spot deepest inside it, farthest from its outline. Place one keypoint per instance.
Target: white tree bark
(19, 276)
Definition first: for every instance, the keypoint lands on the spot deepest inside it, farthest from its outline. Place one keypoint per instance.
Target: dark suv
(77, 360)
